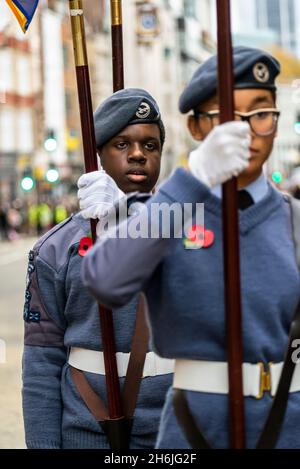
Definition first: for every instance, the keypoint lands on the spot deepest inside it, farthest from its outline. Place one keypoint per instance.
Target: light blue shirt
(257, 189)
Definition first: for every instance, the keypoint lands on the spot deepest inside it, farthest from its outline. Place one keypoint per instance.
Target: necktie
(244, 199)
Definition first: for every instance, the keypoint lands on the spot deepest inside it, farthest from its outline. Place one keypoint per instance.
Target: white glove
(223, 154)
(97, 193)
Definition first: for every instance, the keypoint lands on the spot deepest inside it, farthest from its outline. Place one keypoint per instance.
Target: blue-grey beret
(123, 108)
(253, 68)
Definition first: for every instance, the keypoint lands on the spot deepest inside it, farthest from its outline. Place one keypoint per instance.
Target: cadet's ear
(194, 128)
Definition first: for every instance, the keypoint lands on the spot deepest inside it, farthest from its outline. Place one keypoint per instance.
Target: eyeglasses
(263, 122)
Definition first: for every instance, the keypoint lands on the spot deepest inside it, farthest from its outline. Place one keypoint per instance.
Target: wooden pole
(231, 249)
(90, 160)
(117, 44)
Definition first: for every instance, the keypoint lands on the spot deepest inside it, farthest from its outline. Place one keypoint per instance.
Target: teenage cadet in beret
(62, 330)
(115, 130)
(184, 285)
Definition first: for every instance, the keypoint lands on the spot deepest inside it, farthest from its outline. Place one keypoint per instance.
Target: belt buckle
(264, 380)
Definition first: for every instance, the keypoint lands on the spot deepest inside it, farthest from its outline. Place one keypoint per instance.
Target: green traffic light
(277, 177)
(52, 175)
(27, 183)
(50, 144)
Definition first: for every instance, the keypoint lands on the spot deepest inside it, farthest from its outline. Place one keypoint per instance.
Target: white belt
(212, 377)
(93, 362)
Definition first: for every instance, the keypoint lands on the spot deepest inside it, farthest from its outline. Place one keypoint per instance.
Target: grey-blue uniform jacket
(60, 313)
(185, 292)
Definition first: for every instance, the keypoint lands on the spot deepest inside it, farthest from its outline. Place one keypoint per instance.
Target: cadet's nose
(136, 154)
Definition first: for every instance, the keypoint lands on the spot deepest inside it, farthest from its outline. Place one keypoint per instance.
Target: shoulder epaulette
(54, 246)
(50, 233)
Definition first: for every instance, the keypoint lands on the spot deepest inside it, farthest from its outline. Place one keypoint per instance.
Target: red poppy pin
(84, 245)
(198, 237)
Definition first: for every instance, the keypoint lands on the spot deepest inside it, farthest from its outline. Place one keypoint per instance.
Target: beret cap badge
(261, 72)
(143, 111)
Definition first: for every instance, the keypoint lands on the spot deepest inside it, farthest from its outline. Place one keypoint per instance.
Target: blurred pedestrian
(3, 222)
(14, 221)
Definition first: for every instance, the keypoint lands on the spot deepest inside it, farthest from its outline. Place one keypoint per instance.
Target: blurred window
(7, 129)
(23, 75)
(24, 131)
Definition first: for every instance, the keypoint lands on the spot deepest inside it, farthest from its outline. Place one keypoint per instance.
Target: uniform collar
(257, 189)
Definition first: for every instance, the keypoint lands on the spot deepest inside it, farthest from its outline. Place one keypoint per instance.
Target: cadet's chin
(135, 187)
(249, 174)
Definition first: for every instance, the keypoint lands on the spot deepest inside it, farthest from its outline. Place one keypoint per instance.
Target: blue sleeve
(44, 355)
(115, 269)
(42, 406)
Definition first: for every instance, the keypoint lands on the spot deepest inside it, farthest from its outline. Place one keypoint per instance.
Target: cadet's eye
(150, 146)
(121, 145)
(261, 115)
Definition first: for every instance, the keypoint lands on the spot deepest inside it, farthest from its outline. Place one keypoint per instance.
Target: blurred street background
(13, 265)
(40, 139)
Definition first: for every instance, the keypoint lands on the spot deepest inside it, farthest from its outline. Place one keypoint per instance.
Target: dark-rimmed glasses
(263, 122)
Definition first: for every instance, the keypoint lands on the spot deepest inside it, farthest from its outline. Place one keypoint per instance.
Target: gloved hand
(97, 193)
(223, 154)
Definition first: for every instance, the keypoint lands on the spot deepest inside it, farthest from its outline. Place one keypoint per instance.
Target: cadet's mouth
(136, 175)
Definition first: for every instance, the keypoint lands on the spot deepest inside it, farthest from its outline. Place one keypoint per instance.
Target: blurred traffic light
(277, 177)
(52, 175)
(27, 181)
(50, 142)
(297, 124)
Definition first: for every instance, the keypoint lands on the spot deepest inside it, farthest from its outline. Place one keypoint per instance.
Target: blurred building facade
(164, 42)
(281, 16)
(272, 25)
(20, 100)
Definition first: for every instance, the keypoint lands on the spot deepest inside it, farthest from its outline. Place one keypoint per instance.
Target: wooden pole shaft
(90, 160)
(231, 239)
(117, 44)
